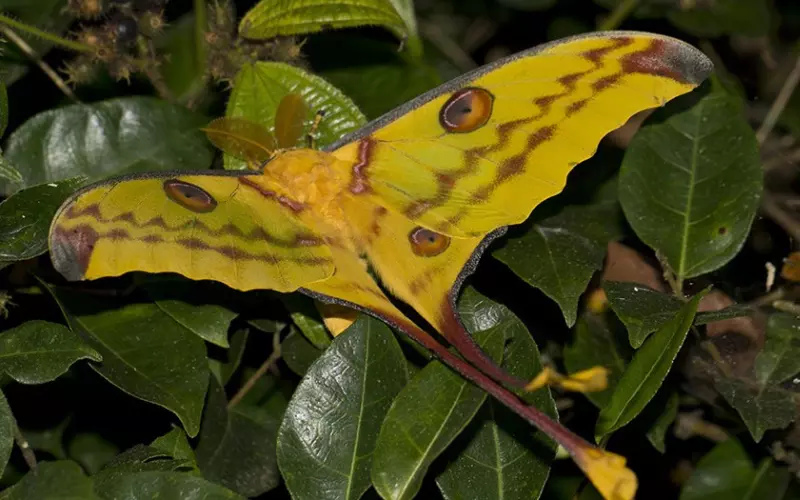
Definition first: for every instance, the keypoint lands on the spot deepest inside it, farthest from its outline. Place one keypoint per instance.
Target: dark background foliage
(153, 385)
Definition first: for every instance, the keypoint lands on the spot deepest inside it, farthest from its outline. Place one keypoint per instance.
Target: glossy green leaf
(724, 473)
(25, 219)
(62, 480)
(259, 88)
(761, 401)
(118, 136)
(91, 450)
(709, 19)
(691, 181)
(326, 440)
(49, 15)
(299, 353)
(306, 317)
(161, 484)
(559, 254)
(658, 430)
(642, 309)
(10, 175)
(427, 415)
(145, 353)
(770, 482)
(175, 444)
(140, 458)
(734, 311)
(594, 344)
(237, 448)
(37, 351)
(503, 456)
(271, 18)
(191, 309)
(646, 371)
(223, 368)
(394, 78)
(7, 426)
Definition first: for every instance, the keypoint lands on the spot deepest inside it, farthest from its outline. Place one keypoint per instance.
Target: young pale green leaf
(721, 17)
(145, 353)
(259, 88)
(225, 366)
(175, 443)
(503, 457)
(642, 309)
(190, 309)
(646, 371)
(37, 351)
(725, 472)
(761, 401)
(667, 415)
(271, 18)
(690, 182)
(427, 415)
(53, 481)
(595, 344)
(307, 319)
(118, 136)
(25, 219)
(299, 353)
(394, 78)
(164, 484)
(236, 448)
(560, 254)
(7, 427)
(326, 440)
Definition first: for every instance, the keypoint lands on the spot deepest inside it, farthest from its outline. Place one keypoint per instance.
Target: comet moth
(411, 201)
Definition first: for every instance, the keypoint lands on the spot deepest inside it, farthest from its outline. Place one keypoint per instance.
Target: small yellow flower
(594, 379)
(608, 473)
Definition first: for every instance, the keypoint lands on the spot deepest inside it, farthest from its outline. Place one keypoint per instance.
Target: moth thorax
(307, 176)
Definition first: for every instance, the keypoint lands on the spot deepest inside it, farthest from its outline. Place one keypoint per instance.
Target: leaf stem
(45, 35)
(25, 448)
(200, 27)
(618, 15)
(266, 365)
(46, 69)
(780, 103)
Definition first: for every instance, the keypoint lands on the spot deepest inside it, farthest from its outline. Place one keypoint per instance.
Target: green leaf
(761, 401)
(237, 448)
(3, 109)
(190, 308)
(667, 415)
(259, 88)
(25, 219)
(770, 482)
(118, 136)
(145, 353)
(559, 254)
(159, 484)
(724, 473)
(7, 425)
(691, 181)
(38, 351)
(224, 368)
(394, 78)
(427, 415)
(10, 175)
(62, 480)
(299, 353)
(646, 371)
(502, 458)
(328, 434)
(91, 450)
(735, 17)
(595, 344)
(140, 458)
(175, 444)
(271, 18)
(640, 308)
(49, 15)
(734, 311)
(306, 317)
(184, 71)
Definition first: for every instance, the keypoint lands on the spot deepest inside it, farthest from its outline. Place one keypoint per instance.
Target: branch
(780, 103)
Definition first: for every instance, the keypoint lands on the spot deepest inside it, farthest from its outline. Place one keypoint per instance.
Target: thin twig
(789, 224)
(44, 35)
(451, 49)
(265, 366)
(25, 448)
(618, 15)
(780, 103)
(28, 50)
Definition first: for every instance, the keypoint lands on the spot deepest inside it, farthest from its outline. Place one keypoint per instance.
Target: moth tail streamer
(606, 470)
